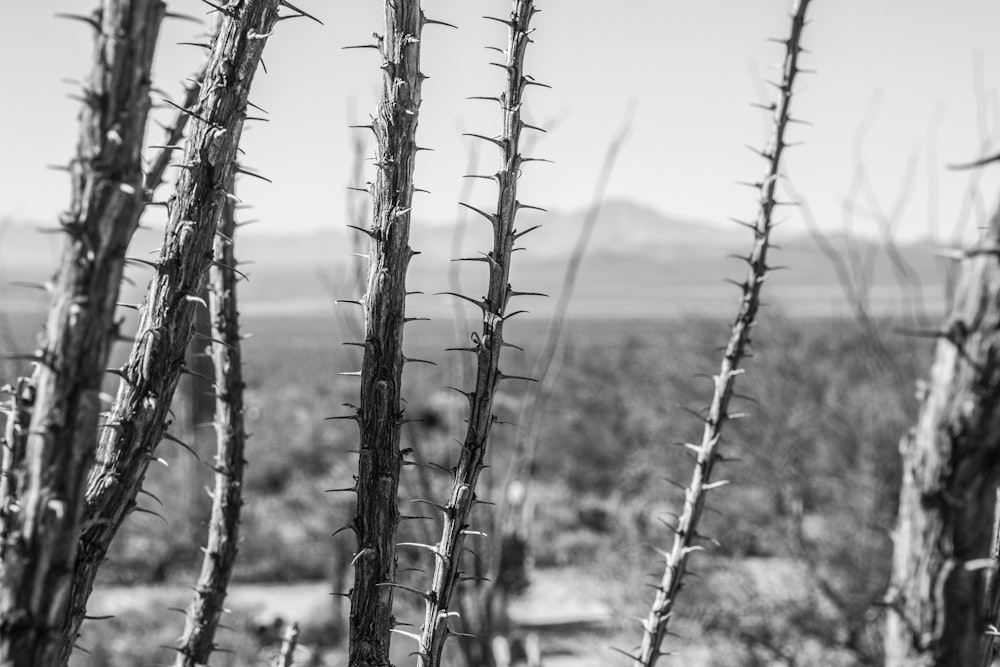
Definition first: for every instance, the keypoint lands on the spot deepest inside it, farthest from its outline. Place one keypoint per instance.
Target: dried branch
(107, 200)
(197, 642)
(686, 530)
(488, 345)
(139, 416)
(380, 414)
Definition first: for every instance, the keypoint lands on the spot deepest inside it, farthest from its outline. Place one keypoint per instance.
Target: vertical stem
(487, 346)
(686, 530)
(950, 471)
(140, 415)
(380, 414)
(107, 186)
(198, 640)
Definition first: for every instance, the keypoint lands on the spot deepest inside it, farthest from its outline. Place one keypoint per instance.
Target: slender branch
(686, 530)
(140, 414)
(380, 414)
(205, 610)
(448, 551)
(107, 200)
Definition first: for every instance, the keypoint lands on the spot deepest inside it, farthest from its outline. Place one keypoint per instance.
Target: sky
(902, 89)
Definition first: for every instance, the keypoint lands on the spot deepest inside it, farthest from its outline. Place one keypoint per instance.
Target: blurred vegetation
(803, 549)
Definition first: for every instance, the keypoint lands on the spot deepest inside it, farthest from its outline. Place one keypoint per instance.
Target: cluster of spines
(705, 453)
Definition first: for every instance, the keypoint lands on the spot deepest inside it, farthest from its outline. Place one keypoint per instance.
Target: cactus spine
(139, 417)
(197, 642)
(107, 200)
(487, 346)
(706, 453)
(380, 413)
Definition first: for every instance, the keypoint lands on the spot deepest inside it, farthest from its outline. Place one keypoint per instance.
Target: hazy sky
(923, 72)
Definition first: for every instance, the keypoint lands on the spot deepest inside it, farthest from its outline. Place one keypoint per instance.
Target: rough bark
(448, 551)
(205, 610)
(139, 417)
(686, 537)
(108, 197)
(951, 467)
(12, 469)
(380, 413)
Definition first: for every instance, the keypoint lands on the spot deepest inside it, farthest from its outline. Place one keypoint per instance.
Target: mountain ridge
(640, 262)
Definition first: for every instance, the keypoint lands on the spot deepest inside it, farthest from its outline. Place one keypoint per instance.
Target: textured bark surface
(686, 538)
(197, 642)
(12, 468)
(108, 197)
(380, 413)
(488, 345)
(139, 417)
(951, 461)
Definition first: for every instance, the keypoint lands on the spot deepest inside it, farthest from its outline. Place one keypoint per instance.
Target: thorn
(424, 594)
(428, 21)
(492, 218)
(499, 143)
(174, 439)
(188, 111)
(142, 510)
(285, 3)
(977, 163)
(241, 170)
(89, 20)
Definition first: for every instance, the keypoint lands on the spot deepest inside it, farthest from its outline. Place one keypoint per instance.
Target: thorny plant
(706, 453)
(380, 413)
(46, 463)
(487, 346)
(206, 607)
(139, 417)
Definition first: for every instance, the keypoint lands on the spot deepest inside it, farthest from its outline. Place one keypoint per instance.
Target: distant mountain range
(640, 263)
